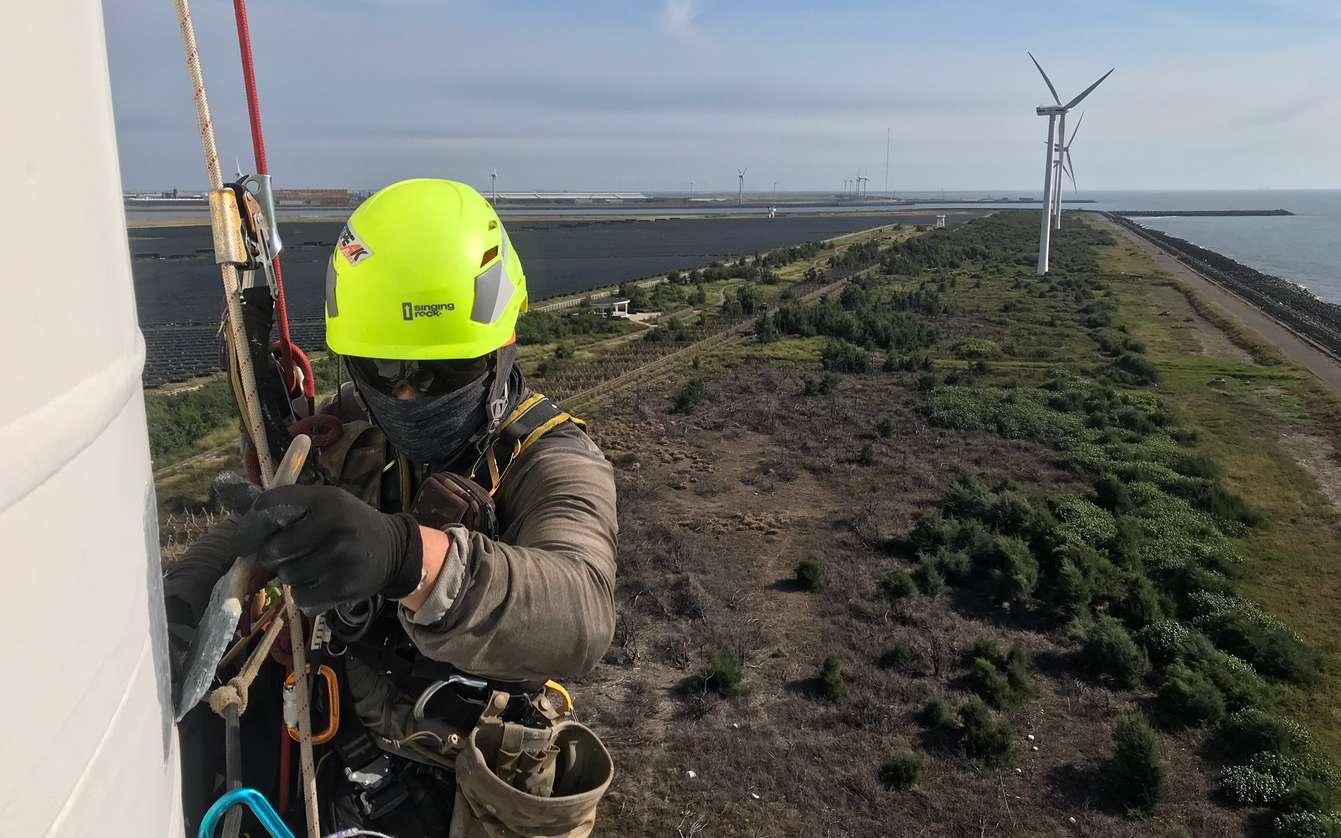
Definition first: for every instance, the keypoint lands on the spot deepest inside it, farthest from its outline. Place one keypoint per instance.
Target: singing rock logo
(409, 311)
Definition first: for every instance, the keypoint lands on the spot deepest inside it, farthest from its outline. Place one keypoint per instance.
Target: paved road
(1292, 345)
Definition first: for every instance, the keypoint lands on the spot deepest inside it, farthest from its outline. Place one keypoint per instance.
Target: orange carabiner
(332, 702)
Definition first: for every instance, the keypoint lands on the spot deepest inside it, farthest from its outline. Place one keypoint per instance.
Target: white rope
(251, 407)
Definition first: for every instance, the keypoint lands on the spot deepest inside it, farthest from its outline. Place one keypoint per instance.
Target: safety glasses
(426, 378)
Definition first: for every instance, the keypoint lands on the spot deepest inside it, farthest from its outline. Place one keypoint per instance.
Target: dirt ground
(716, 510)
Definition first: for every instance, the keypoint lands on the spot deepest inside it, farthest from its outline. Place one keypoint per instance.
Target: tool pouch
(446, 499)
(514, 781)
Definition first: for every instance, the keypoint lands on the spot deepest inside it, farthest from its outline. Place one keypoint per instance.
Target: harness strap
(536, 416)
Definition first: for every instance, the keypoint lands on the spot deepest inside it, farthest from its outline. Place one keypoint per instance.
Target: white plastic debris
(1019, 771)
(754, 794)
(691, 774)
(1035, 747)
(1030, 737)
(1071, 819)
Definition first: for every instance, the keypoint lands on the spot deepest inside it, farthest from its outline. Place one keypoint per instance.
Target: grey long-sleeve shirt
(536, 603)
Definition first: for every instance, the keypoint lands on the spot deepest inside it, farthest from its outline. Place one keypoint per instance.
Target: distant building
(612, 306)
(312, 197)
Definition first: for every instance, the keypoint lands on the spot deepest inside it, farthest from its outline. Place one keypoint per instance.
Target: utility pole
(886, 162)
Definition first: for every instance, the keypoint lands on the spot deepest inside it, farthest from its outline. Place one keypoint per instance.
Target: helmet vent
(489, 255)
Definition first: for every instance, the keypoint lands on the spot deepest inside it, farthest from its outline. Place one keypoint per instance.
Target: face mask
(431, 431)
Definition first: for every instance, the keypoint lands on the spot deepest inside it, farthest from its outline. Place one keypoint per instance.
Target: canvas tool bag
(520, 781)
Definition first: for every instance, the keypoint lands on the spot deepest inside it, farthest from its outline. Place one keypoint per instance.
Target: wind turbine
(493, 185)
(1053, 149)
(1064, 164)
(740, 187)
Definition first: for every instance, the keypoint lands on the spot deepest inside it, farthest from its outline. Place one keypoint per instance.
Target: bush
(928, 576)
(902, 770)
(1240, 628)
(841, 356)
(938, 713)
(1132, 368)
(1014, 570)
(1307, 825)
(724, 675)
(898, 656)
(810, 575)
(885, 427)
(1139, 604)
(1188, 698)
(690, 395)
(986, 736)
(819, 385)
(1109, 650)
(990, 683)
(1249, 732)
(866, 456)
(955, 565)
(1112, 494)
(1135, 772)
(832, 685)
(896, 585)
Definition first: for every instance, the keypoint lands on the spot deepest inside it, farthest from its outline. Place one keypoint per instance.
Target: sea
(1304, 248)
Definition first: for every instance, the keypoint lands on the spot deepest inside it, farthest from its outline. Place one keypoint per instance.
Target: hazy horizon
(646, 96)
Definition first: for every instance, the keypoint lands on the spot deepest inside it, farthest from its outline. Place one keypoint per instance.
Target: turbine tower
(1052, 156)
(1064, 166)
(493, 185)
(740, 187)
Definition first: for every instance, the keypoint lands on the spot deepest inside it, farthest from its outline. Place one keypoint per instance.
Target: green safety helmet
(423, 270)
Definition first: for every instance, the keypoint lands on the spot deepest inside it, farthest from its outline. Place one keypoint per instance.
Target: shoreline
(1304, 328)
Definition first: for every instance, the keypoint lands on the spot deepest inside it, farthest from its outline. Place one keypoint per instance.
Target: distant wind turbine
(1064, 164)
(740, 186)
(493, 185)
(1053, 156)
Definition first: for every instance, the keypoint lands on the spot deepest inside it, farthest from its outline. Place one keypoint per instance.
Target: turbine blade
(1055, 97)
(1087, 91)
(1071, 171)
(1075, 130)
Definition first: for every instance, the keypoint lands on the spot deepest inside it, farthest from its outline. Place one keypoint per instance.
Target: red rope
(286, 344)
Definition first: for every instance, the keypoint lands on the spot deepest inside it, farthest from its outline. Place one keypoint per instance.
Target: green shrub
(1243, 629)
(1135, 369)
(971, 348)
(990, 683)
(690, 395)
(1014, 570)
(954, 565)
(902, 770)
(899, 655)
(928, 576)
(885, 427)
(1248, 732)
(1112, 494)
(724, 675)
(867, 455)
(810, 575)
(1189, 699)
(1307, 825)
(985, 735)
(1139, 605)
(937, 713)
(820, 385)
(896, 585)
(1136, 773)
(832, 685)
(1109, 650)
(841, 356)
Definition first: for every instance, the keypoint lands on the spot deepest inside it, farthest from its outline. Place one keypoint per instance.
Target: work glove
(331, 547)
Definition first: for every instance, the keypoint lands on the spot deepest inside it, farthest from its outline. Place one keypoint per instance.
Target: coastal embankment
(1302, 327)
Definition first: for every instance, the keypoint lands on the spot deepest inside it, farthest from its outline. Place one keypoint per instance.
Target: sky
(653, 94)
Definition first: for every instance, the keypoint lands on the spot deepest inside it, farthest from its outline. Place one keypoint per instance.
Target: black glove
(330, 546)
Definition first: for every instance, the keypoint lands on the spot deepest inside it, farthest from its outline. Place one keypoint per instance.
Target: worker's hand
(330, 546)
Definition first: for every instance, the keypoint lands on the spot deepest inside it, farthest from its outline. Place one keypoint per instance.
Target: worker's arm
(538, 602)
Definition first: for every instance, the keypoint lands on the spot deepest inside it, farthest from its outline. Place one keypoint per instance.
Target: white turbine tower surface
(1056, 115)
(740, 186)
